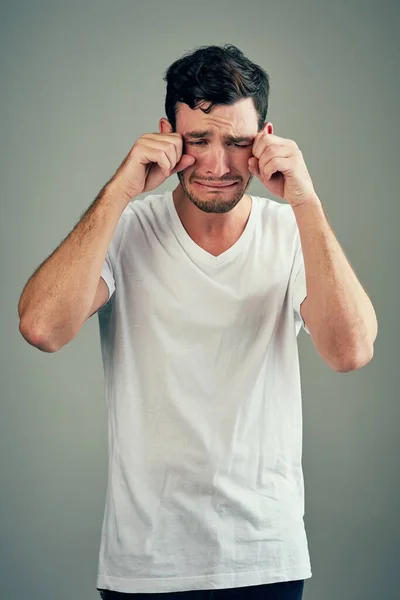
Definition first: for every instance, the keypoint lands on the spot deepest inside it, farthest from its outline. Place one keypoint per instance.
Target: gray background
(79, 83)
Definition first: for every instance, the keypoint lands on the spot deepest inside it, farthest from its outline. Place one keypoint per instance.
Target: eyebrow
(206, 133)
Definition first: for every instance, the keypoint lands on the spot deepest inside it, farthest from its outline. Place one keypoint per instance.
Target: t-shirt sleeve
(107, 274)
(109, 271)
(299, 287)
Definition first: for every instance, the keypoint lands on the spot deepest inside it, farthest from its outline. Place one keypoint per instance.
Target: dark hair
(215, 74)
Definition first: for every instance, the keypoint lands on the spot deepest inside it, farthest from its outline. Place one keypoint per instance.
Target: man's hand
(153, 158)
(280, 166)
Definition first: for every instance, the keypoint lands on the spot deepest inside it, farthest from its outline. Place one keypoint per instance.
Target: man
(201, 293)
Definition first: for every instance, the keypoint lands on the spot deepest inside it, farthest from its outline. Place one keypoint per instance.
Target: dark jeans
(286, 590)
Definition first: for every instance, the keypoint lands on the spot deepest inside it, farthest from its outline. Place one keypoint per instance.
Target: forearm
(57, 298)
(341, 316)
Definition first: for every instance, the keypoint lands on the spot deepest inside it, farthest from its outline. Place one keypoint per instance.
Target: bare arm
(65, 290)
(337, 310)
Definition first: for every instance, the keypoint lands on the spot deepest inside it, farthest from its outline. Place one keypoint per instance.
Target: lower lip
(219, 189)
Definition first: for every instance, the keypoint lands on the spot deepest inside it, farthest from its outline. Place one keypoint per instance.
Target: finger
(157, 157)
(163, 148)
(272, 153)
(174, 139)
(275, 165)
(186, 161)
(264, 140)
(253, 166)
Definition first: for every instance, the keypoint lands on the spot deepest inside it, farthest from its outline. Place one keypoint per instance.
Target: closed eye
(203, 142)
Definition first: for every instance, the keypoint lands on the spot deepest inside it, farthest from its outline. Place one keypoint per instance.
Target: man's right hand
(153, 158)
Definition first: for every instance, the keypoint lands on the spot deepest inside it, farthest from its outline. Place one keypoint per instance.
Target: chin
(213, 201)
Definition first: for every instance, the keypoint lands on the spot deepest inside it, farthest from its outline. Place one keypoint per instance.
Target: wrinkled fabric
(202, 383)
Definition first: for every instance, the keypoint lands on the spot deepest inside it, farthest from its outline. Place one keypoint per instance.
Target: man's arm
(338, 313)
(337, 310)
(60, 295)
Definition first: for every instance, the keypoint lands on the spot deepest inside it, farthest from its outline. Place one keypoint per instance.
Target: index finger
(266, 139)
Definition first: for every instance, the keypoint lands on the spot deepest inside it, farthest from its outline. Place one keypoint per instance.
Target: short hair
(215, 75)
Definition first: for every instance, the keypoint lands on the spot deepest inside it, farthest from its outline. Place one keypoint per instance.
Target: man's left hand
(279, 164)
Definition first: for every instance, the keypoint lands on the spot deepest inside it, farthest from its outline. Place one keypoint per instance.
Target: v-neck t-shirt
(202, 382)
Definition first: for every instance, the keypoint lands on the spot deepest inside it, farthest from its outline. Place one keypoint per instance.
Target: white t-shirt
(205, 482)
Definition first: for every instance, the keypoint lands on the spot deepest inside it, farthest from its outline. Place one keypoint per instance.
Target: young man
(201, 293)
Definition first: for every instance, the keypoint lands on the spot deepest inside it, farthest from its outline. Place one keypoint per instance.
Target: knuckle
(166, 158)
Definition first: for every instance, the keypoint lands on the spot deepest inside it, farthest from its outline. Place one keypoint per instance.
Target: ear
(165, 126)
(268, 127)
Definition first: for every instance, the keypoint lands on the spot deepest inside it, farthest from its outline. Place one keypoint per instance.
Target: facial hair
(215, 204)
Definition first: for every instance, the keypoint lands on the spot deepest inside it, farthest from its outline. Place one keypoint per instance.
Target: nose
(215, 162)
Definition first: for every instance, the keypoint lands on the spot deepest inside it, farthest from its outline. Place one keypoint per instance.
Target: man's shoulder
(142, 213)
(272, 204)
(145, 202)
(280, 211)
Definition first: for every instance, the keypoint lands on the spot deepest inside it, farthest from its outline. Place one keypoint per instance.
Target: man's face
(221, 143)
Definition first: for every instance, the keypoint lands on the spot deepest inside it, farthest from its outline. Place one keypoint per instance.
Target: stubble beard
(215, 204)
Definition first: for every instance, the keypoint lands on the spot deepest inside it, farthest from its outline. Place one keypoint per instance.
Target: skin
(337, 311)
(215, 219)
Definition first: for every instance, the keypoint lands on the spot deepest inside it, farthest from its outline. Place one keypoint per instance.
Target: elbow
(36, 338)
(355, 361)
